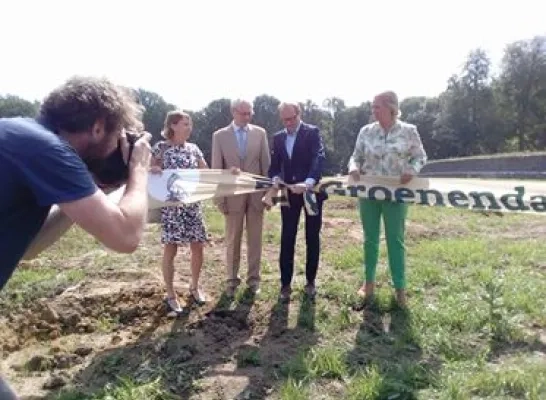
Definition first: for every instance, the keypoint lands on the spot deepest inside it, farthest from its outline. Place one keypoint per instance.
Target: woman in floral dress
(180, 224)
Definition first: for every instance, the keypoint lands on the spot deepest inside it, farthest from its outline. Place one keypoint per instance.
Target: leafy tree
(14, 106)
(522, 85)
(156, 109)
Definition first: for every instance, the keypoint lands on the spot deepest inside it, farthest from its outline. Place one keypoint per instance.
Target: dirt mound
(81, 313)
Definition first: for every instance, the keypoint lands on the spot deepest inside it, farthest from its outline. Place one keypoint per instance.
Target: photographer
(55, 158)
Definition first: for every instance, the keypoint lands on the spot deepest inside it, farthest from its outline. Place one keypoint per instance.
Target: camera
(112, 170)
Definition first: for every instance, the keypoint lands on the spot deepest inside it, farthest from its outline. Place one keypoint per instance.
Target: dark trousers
(290, 219)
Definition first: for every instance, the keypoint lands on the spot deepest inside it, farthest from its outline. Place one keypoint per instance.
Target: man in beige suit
(242, 146)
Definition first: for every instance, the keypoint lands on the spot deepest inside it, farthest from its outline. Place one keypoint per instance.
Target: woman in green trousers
(386, 147)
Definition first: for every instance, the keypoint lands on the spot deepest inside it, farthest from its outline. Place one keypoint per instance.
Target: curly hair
(80, 102)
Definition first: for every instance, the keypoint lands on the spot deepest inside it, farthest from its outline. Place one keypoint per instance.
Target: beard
(104, 160)
(101, 149)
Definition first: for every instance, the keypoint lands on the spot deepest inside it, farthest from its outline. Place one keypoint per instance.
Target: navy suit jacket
(308, 156)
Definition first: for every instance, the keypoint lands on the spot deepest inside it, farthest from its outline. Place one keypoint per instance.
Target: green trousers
(394, 217)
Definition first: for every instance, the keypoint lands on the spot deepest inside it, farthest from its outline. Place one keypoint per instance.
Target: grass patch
(31, 284)
(123, 389)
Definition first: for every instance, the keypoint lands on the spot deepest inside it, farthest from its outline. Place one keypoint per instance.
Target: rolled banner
(185, 186)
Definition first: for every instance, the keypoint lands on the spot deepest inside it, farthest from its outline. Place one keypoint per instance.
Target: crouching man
(44, 161)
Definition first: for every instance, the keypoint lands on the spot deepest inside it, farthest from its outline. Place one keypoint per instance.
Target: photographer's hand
(141, 155)
(118, 226)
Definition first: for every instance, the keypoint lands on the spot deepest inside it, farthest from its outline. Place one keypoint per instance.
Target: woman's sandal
(173, 306)
(197, 296)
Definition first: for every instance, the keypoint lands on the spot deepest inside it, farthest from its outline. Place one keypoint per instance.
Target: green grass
(123, 389)
(33, 283)
(475, 327)
(473, 297)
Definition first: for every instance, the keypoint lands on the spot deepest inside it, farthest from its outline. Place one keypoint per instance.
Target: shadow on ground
(387, 358)
(229, 351)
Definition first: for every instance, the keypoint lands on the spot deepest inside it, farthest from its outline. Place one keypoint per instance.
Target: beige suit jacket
(225, 155)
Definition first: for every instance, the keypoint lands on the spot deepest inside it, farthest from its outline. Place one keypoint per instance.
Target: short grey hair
(294, 105)
(390, 99)
(237, 102)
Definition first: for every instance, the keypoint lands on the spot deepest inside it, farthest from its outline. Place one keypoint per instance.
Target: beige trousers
(234, 227)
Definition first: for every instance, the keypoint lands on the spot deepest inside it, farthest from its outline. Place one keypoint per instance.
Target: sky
(193, 52)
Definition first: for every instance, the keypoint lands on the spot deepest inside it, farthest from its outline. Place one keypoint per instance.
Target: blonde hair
(390, 99)
(173, 117)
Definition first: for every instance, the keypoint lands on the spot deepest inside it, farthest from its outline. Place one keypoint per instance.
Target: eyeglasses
(245, 113)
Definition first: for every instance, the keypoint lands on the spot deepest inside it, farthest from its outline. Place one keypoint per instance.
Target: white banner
(174, 187)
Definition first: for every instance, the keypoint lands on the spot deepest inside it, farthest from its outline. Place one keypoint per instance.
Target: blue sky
(192, 52)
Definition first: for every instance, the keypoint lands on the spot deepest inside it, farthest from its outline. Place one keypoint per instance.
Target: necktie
(290, 139)
(241, 141)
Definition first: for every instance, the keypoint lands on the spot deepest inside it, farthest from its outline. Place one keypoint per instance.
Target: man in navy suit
(297, 159)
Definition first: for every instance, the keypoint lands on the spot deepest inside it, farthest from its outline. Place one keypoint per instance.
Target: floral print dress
(378, 153)
(180, 224)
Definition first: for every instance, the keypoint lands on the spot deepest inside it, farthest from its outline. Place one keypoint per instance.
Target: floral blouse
(398, 152)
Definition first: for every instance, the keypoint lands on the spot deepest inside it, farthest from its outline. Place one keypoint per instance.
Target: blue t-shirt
(37, 169)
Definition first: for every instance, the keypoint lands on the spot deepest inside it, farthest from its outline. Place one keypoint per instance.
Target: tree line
(478, 113)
